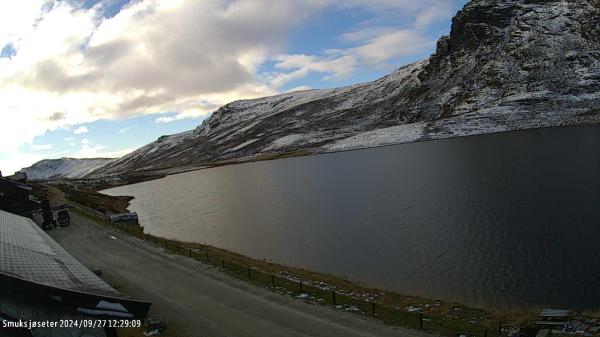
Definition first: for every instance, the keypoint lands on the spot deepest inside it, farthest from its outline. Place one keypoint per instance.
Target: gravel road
(198, 300)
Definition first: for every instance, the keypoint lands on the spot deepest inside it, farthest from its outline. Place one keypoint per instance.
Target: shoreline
(436, 316)
(95, 184)
(138, 177)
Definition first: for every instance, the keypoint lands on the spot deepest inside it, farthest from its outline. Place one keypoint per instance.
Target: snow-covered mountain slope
(64, 168)
(506, 65)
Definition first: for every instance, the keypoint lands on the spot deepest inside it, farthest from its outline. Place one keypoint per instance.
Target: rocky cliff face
(506, 65)
(531, 55)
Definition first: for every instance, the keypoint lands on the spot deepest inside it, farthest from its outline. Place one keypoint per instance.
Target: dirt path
(198, 300)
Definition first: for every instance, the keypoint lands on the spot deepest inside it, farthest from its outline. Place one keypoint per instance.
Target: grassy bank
(87, 196)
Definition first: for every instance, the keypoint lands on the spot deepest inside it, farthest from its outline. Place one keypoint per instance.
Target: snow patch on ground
(286, 141)
(393, 135)
(246, 128)
(243, 145)
(64, 168)
(413, 309)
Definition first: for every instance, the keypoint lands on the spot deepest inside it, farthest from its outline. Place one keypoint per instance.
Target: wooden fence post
(301, 291)
(420, 320)
(333, 297)
(249, 274)
(273, 281)
(207, 259)
(373, 309)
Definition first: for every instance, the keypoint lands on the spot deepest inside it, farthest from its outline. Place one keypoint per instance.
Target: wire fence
(308, 291)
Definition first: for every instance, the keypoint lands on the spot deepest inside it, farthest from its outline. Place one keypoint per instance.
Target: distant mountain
(48, 169)
(506, 65)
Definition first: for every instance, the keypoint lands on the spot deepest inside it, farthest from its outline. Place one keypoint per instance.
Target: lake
(504, 221)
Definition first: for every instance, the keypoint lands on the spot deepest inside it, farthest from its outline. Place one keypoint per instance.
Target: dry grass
(102, 203)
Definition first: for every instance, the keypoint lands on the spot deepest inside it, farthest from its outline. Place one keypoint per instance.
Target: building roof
(16, 183)
(31, 259)
(18, 176)
(27, 252)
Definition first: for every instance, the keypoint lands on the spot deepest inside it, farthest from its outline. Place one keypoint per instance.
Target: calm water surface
(507, 221)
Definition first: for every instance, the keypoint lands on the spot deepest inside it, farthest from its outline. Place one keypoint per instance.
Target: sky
(100, 78)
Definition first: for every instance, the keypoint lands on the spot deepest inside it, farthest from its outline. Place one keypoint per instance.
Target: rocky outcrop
(536, 55)
(506, 65)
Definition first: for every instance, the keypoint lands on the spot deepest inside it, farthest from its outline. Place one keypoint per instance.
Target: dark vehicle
(126, 218)
(47, 215)
(63, 218)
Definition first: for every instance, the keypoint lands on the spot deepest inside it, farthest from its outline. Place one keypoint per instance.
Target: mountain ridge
(61, 168)
(506, 65)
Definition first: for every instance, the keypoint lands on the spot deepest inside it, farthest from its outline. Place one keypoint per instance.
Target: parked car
(125, 218)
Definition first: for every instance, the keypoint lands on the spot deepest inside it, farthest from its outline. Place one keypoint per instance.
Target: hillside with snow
(506, 65)
(49, 169)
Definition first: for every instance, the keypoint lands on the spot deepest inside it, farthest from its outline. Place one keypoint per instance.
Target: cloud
(57, 116)
(89, 149)
(81, 130)
(99, 151)
(16, 17)
(397, 9)
(123, 130)
(388, 46)
(201, 109)
(39, 147)
(376, 43)
(18, 161)
(300, 88)
(375, 52)
(162, 120)
(294, 67)
(440, 11)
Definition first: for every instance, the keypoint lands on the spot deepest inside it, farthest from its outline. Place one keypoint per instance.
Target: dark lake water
(507, 221)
